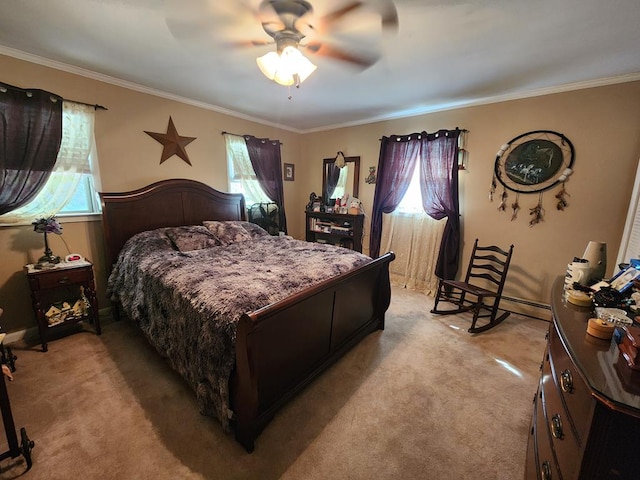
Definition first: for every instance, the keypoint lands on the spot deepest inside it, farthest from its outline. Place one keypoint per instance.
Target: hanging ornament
(515, 206)
(561, 196)
(492, 190)
(503, 201)
(537, 212)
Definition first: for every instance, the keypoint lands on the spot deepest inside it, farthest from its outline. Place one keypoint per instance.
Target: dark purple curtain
(265, 159)
(439, 188)
(333, 175)
(398, 156)
(30, 135)
(438, 154)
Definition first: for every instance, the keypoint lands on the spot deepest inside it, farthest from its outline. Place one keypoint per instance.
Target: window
(412, 201)
(72, 186)
(242, 177)
(85, 199)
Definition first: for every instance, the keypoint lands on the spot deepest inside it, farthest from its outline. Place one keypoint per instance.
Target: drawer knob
(545, 470)
(63, 280)
(566, 381)
(556, 427)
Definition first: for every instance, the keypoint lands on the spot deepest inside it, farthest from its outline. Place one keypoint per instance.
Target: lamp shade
(286, 68)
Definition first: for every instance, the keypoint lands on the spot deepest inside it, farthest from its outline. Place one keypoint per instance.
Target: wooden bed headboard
(167, 203)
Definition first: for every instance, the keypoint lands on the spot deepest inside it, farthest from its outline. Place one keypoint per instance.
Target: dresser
(586, 411)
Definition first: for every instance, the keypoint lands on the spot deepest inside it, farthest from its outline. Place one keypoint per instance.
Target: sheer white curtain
(74, 159)
(242, 177)
(415, 239)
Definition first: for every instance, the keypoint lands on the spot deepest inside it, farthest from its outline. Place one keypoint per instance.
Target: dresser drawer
(530, 467)
(563, 439)
(60, 278)
(575, 395)
(546, 466)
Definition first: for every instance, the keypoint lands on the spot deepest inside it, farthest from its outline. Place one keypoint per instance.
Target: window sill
(69, 218)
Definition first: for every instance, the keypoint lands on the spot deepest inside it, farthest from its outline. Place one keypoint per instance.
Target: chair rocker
(484, 280)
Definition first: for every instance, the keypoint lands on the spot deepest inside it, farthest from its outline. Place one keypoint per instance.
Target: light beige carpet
(421, 400)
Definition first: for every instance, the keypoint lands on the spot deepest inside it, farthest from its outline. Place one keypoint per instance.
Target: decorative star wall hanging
(173, 143)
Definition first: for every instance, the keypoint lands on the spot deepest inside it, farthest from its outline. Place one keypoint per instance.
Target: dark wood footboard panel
(281, 348)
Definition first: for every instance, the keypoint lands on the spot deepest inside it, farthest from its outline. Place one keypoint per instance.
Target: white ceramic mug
(578, 272)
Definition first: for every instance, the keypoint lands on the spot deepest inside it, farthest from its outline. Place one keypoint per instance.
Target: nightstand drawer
(60, 278)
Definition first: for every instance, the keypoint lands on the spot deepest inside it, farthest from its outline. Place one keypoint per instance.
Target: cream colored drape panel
(238, 159)
(74, 159)
(415, 239)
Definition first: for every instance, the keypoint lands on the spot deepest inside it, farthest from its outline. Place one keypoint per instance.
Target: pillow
(193, 237)
(255, 230)
(227, 231)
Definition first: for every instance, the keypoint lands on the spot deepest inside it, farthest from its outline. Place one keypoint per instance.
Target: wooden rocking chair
(484, 280)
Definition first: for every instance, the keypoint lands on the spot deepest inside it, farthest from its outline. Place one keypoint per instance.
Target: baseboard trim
(527, 302)
(13, 337)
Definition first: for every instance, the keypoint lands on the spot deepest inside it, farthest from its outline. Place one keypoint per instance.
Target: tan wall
(603, 124)
(129, 158)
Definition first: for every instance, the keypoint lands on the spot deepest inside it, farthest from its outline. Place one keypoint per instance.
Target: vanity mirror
(340, 175)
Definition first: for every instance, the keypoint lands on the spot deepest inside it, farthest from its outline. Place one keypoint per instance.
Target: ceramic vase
(596, 253)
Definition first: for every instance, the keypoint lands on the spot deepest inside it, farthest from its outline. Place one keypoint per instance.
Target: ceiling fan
(290, 22)
(341, 30)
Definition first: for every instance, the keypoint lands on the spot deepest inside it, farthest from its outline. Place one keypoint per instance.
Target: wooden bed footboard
(281, 348)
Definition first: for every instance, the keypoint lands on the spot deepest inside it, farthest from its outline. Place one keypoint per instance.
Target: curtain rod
(223, 132)
(95, 106)
(464, 130)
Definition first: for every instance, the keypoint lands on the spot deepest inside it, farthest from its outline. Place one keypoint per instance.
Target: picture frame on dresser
(624, 279)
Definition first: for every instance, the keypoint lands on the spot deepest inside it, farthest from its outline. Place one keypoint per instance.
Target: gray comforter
(188, 303)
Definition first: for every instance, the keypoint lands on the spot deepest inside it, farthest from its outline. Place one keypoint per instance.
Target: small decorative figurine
(371, 178)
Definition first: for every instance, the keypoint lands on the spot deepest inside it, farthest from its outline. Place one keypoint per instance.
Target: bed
(279, 341)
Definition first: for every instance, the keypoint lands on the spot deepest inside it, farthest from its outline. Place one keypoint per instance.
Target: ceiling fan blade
(326, 22)
(249, 43)
(341, 12)
(361, 60)
(389, 16)
(203, 20)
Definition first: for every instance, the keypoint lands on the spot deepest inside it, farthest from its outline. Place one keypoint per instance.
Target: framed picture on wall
(289, 172)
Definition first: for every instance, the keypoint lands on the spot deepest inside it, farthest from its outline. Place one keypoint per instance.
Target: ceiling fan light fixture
(287, 67)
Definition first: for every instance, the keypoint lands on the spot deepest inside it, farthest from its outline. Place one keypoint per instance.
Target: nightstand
(62, 295)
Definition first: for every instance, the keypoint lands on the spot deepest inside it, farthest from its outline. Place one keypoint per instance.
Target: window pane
(81, 200)
(412, 200)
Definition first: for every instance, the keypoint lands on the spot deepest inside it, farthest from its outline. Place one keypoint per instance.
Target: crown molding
(11, 52)
(567, 87)
(82, 72)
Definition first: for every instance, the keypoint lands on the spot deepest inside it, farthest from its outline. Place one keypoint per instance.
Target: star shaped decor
(173, 143)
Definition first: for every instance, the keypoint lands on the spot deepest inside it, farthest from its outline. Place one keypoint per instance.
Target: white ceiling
(444, 53)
